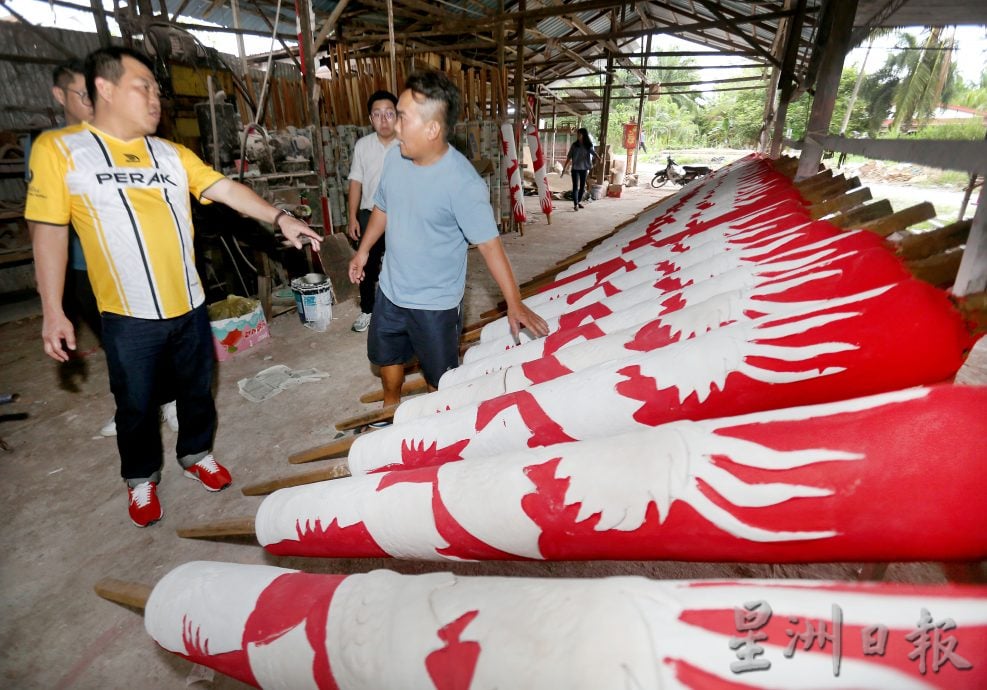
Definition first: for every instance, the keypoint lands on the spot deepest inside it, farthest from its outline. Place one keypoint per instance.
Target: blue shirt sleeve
(473, 211)
(380, 196)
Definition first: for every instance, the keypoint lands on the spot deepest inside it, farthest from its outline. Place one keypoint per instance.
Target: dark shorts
(397, 333)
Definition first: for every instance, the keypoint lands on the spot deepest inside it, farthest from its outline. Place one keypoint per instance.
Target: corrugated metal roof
(26, 85)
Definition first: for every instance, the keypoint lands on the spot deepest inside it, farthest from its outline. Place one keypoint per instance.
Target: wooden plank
(219, 529)
(820, 177)
(838, 204)
(939, 270)
(382, 415)
(334, 470)
(838, 185)
(967, 156)
(337, 449)
(820, 184)
(413, 387)
(856, 217)
(914, 246)
(902, 219)
(131, 594)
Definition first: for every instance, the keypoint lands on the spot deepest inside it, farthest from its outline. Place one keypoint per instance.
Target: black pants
(144, 357)
(80, 302)
(578, 185)
(371, 272)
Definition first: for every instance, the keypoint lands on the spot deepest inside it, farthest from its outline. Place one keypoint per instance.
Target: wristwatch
(277, 218)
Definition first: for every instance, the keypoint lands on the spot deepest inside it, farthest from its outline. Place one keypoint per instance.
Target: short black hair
(108, 64)
(65, 72)
(381, 96)
(436, 86)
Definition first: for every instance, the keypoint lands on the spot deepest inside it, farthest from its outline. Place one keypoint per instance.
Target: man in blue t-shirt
(434, 205)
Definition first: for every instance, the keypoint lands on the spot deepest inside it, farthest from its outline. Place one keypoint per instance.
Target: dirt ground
(64, 508)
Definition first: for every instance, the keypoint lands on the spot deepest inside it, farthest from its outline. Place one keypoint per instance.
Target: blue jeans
(145, 358)
(578, 186)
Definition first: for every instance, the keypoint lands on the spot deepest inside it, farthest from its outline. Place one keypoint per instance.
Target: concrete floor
(65, 509)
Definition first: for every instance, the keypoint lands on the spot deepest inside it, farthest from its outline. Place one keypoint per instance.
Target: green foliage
(912, 82)
(968, 130)
(971, 95)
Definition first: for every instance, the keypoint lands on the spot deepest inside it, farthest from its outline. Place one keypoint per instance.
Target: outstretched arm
(50, 244)
(518, 313)
(242, 198)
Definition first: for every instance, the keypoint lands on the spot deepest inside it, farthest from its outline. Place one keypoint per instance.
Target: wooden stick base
(337, 449)
(334, 470)
(130, 594)
(220, 529)
(382, 415)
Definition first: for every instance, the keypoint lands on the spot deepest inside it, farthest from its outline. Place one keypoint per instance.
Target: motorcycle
(679, 174)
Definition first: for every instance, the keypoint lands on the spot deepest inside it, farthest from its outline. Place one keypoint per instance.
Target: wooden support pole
(391, 46)
(605, 114)
(102, 27)
(640, 108)
(330, 23)
(827, 86)
(972, 275)
(786, 79)
(333, 470)
(778, 50)
(501, 65)
(520, 102)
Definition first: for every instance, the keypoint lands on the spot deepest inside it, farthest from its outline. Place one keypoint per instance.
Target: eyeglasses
(383, 115)
(83, 96)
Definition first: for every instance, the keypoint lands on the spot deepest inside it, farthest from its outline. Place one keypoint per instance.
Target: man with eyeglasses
(69, 90)
(368, 163)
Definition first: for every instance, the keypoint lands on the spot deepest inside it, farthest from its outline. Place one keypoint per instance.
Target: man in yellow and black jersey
(126, 193)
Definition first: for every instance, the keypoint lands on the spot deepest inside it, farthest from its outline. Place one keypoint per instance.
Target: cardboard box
(238, 333)
(615, 190)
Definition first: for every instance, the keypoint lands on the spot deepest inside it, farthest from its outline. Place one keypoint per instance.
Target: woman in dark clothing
(581, 155)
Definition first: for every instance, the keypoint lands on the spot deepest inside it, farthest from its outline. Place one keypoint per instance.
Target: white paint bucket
(313, 298)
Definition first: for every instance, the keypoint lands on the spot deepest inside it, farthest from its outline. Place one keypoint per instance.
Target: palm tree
(923, 87)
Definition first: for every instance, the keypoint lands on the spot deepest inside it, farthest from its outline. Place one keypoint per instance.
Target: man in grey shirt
(434, 205)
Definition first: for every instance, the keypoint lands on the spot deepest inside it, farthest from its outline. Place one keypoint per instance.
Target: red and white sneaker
(145, 509)
(213, 476)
